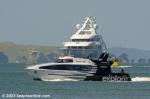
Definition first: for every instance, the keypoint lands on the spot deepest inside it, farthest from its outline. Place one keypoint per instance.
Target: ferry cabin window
(68, 67)
(65, 60)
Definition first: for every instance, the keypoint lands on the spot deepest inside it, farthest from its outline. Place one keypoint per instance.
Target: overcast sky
(124, 23)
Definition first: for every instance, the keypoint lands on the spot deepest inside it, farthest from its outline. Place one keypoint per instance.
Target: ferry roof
(66, 57)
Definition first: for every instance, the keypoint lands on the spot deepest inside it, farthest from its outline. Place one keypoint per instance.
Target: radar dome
(78, 26)
(95, 26)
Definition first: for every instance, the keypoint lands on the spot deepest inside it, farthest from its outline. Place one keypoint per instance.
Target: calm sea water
(14, 81)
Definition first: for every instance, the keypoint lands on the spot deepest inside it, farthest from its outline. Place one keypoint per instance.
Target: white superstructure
(86, 42)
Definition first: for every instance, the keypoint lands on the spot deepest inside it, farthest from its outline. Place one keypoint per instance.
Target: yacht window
(85, 32)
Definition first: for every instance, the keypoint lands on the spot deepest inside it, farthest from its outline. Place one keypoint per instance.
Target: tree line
(125, 60)
(40, 58)
(3, 58)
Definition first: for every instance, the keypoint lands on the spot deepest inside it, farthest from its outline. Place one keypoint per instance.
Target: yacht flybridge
(85, 42)
(85, 59)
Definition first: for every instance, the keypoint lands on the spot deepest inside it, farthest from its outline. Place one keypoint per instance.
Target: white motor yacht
(86, 41)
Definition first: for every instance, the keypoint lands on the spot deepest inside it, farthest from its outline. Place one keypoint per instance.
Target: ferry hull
(75, 75)
(110, 77)
(56, 74)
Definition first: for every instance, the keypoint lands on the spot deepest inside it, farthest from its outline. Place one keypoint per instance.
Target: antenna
(104, 48)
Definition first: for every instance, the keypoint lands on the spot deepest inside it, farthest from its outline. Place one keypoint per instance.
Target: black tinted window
(64, 60)
(67, 67)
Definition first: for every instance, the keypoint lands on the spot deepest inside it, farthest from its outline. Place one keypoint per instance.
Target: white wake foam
(60, 80)
(140, 79)
(145, 66)
(134, 79)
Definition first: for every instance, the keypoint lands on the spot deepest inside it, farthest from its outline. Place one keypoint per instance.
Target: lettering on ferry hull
(106, 78)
